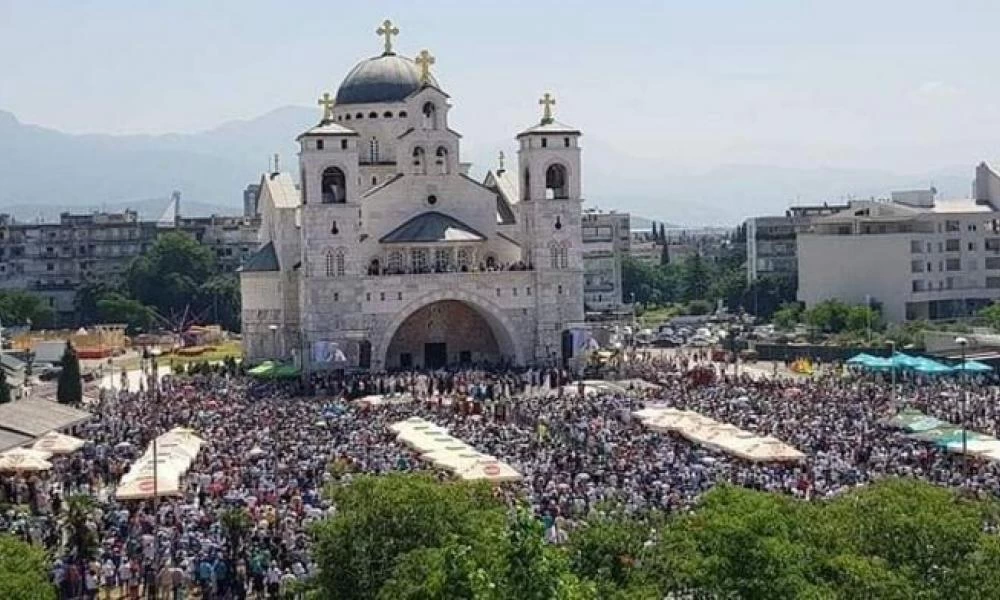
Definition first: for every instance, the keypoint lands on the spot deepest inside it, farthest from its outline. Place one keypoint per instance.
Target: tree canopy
(20, 308)
(70, 387)
(412, 537)
(23, 571)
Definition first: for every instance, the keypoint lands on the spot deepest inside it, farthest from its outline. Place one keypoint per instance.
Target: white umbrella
(255, 452)
(143, 487)
(23, 462)
(488, 470)
(28, 453)
(58, 443)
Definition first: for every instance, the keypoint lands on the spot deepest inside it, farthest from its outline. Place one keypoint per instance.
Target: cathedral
(385, 253)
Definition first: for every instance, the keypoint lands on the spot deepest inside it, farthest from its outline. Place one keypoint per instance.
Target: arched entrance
(446, 330)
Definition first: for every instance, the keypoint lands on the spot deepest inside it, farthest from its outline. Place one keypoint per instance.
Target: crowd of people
(272, 448)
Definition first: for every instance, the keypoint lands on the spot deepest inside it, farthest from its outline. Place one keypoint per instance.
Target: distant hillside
(45, 171)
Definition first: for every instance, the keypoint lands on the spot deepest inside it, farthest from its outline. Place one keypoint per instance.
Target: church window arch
(566, 142)
(442, 159)
(359, 116)
(347, 117)
(402, 114)
(430, 116)
(331, 266)
(373, 115)
(556, 182)
(374, 180)
(340, 261)
(333, 186)
(558, 255)
(545, 143)
(319, 144)
(373, 150)
(387, 114)
(419, 161)
(527, 185)
(464, 259)
(343, 144)
(375, 266)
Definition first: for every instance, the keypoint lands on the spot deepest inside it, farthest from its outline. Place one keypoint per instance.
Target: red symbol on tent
(146, 485)
(492, 470)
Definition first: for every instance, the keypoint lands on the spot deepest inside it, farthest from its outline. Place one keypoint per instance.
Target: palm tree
(235, 524)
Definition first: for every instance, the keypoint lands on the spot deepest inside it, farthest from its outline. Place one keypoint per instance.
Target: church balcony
(450, 270)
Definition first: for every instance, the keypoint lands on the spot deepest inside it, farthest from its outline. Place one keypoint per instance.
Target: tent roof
(38, 417)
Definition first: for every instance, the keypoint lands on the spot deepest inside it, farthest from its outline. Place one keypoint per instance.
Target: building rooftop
(432, 227)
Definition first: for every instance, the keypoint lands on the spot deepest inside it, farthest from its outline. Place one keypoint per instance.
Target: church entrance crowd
(272, 447)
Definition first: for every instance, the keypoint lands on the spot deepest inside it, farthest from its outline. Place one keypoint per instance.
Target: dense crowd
(272, 448)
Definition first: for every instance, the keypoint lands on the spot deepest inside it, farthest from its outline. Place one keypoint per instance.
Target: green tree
(169, 276)
(787, 317)
(699, 307)
(116, 308)
(236, 524)
(380, 520)
(664, 252)
(829, 316)
(23, 571)
(5, 393)
(860, 318)
(79, 529)
(220, 298)
(20, 308)
(641, 283)
(695, 278)
(992, 314)
(87, 297)
(606, 549)
(70, 386)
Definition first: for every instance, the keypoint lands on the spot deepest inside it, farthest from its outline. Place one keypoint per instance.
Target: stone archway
(447, 328)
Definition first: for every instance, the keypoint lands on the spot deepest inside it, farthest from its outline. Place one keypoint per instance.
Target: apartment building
(606, 238)
(913, 256)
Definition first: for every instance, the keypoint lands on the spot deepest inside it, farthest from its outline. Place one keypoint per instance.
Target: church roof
(386, 78)
(328, 128)
(505, 215)
(263, 260)
(281, 189)
(506, 183)
(554, 127)
(432, 227)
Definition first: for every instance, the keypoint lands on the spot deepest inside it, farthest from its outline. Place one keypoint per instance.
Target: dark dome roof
(386, 78)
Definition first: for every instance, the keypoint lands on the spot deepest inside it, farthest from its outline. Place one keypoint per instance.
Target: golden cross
(547, 101)
(327, 103)
(388, 30)
(425, 60)
(501, 157)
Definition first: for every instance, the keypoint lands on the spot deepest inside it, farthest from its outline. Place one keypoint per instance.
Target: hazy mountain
(45, 171)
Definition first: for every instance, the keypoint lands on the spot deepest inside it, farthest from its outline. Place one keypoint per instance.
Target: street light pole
(892, 355)
(962, 342)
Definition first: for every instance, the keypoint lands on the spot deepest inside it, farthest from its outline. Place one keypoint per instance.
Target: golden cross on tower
(327, 103)
(388, 30)
(547, 101)
(424, 60)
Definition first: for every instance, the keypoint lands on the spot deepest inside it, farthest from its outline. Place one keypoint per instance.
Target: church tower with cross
(383, 252)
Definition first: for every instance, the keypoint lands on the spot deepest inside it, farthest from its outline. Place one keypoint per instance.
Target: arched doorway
(448, 332)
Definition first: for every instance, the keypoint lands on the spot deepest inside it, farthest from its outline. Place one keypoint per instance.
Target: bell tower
(549, 172)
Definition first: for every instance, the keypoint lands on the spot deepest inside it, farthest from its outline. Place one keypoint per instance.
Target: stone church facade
(386, 253)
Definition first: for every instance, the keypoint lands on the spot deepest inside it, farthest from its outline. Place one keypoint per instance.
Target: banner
(328, 353)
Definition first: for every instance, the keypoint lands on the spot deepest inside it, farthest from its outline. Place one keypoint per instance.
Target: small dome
(386, 78)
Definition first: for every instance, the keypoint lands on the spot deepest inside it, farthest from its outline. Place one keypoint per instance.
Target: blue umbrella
(973, 366)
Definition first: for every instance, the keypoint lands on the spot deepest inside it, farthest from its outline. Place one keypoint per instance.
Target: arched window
(373, 150)
(442, 159)
(359, 116)
(373, 115)
(402, 114)
(553, 255)
(430, 116)
(347, 117)
(559, 255)
(374, 180)
(556, 182)
(331, 268)
(340, 258)
(387, 115)
(564, 255)
(333, 187)
(419, 162)
(464, 259)
(526, 192)
(375, 267)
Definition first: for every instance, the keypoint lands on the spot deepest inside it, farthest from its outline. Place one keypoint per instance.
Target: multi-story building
(53, 259)
(606, 238)
(645, 247)
(771, 241)
(915, 257)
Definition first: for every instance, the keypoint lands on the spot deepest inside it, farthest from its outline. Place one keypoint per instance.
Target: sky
(887, 84)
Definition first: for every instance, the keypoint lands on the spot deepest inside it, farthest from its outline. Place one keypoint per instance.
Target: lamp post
(962, 342)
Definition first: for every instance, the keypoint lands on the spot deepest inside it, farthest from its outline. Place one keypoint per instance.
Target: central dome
(386, 78)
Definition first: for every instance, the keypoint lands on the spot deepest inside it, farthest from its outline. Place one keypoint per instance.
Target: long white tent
(723, 437)
(447, 452)
(159, 473)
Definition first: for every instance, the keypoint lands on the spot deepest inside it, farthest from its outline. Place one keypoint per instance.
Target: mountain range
(46, 171)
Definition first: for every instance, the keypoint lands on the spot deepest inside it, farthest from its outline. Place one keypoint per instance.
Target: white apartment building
(915, 257)
(606, 237)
